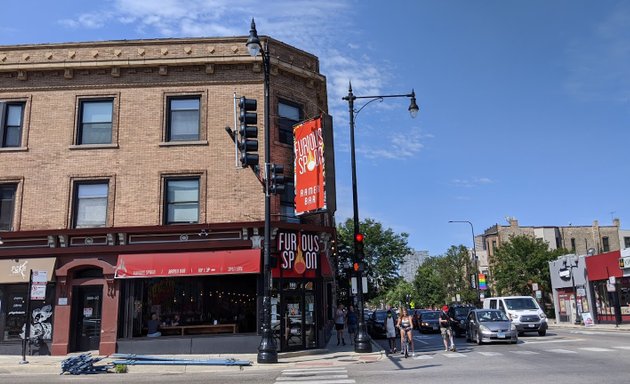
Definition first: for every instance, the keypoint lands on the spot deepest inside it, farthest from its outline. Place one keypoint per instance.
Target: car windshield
(462, 311)
(430, 315)
(521, 303)
(380, 315)
(485, 316)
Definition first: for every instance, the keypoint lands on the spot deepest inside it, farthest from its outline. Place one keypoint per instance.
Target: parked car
(429, 321)
(459, 313)
(524, 312)
(415, 313)
(375, 324)
(487, 325)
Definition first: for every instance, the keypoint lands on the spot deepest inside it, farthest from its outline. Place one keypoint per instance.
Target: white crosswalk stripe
(559, 350)
(595, 349)
(626, 347)
(525, 352)
(453, 355)
(491, 353)
(332, 375)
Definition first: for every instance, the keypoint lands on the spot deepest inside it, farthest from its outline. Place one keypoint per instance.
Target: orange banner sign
(309, 170)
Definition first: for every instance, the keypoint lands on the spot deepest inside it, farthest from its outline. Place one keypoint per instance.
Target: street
(563, 356)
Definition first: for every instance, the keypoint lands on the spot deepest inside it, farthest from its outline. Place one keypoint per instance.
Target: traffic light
(277, 180)
(358, 241)
(248, 134)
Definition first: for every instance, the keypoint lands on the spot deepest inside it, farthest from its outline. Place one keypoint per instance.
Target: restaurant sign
(298, 252)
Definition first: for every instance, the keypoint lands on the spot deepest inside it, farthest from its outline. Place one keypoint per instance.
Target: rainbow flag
(482, 282)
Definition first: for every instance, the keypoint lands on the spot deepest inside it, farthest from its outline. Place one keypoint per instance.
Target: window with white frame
(90, 204)
(289, 114)
(183, 118)
(11, 124)
(7, 206)
(181, 200)
(95, 121)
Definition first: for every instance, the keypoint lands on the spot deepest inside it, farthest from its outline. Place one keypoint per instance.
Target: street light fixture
(362, 343)
(476, 274)
(267, 351)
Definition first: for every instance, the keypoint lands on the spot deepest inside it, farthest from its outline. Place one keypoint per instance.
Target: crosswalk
(331, 375)
(523, 352)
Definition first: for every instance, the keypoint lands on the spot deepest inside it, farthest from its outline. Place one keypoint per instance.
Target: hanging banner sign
(308, 168)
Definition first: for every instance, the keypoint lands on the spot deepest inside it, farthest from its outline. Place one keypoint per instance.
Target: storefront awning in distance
(18, 270)
(188, 263)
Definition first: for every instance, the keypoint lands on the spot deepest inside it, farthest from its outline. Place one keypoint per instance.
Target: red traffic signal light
(359, 237)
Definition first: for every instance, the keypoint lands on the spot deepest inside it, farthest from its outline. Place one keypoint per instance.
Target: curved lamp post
(267, 351)
(476, 274)
(362, 343)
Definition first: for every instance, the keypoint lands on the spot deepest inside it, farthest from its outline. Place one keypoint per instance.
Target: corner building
(119, 187)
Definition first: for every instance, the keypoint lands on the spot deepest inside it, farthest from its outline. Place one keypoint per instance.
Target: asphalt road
(563, 356)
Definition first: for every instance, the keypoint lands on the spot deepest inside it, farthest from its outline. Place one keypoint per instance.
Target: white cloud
(470, 183)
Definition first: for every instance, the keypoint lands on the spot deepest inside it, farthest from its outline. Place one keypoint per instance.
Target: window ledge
(13, 149)
(182, 143)
(93, 146)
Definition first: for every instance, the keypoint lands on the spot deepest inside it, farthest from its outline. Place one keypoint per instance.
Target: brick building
(116, 162)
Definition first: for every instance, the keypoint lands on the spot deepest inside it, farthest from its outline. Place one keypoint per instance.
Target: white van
(524, 312)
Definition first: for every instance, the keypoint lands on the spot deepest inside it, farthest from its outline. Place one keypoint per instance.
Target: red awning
(188, 263)
(603, 266)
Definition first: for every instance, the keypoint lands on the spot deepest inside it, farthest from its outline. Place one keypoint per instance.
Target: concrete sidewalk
(595, 327)
(37, 365)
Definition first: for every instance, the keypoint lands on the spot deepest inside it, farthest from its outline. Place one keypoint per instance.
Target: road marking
(595, 349)
(315, 376)
(549, 341)
(423, 357)
(525, 352)
(491, 353)
(451, 354)
(564, 351)
(623, 347)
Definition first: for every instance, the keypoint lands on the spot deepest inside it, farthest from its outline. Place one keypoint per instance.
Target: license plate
(501, 335)
(531, 325)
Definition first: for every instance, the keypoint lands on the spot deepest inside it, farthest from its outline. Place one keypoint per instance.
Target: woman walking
(390, 327)
(352, 320)
(340, 323)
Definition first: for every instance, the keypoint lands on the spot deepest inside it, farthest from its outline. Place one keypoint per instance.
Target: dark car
(488, 325)
(375, 324)
(415, 314)
(459, 313)
(429, 321)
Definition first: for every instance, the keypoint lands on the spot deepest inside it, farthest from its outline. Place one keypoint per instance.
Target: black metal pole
(362, 342)
(267, 351)
(27, 324)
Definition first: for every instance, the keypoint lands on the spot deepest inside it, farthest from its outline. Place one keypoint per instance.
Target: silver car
(487, 325)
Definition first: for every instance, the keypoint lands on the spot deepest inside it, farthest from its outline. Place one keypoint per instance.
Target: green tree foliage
(384, 251)
(521, 261)
(399, 295)
(440, 279)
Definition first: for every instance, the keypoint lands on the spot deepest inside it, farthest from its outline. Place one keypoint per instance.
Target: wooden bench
(199, 329)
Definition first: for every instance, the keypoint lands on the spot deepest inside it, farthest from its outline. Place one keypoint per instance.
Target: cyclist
(405, 323)
(446, 330)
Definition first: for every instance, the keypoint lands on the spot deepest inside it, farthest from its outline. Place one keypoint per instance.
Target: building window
(90, 204)
(289, 114)
(7, 206)
(182, 201)
(287, 204)
(11, 122)
(605, 244)
(183, 119)
(95, 121)
(626, 242)
(573, 244)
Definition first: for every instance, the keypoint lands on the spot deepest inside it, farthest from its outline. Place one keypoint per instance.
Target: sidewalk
(595, 327)
(37, 365)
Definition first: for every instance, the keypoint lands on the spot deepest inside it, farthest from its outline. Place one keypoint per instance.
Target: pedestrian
(340, 323)
(405, 323)
(352, 321)
(446, 330)
(390, 327)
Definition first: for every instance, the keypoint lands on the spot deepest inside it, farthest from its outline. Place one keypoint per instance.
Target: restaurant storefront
(611, 288)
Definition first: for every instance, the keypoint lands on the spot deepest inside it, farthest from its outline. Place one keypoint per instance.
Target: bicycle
(405, 345)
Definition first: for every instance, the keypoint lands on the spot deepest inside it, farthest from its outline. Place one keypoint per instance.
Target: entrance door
(86, 317)
(293, 320)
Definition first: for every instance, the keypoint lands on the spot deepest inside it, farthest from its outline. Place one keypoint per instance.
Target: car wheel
(542, 332)
(479, 341)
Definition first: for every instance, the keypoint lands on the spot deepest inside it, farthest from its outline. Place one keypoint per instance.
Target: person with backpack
(446, 330)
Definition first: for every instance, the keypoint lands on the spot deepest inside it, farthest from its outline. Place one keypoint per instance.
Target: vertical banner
(482, 282)
(309, 168)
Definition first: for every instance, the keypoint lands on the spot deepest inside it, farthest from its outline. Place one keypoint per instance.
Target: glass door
(293, 320)
(87, 302)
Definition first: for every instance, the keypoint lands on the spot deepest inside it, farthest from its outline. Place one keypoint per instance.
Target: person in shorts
(340, 323)
(446, 330)
(352, 321)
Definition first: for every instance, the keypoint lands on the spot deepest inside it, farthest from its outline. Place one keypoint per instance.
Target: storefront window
(197, 301)
(13, 313)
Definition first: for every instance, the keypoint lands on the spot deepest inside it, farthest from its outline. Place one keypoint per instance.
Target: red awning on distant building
(188, 263)
(603, 266)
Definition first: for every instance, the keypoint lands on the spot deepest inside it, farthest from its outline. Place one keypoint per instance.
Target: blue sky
(524, 105)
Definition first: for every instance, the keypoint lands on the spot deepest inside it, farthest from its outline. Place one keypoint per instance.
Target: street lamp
(476, 274)
(362, 343)
(572, 263)
(267, 351)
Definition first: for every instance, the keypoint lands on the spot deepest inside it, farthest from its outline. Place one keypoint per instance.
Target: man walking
(446, 330)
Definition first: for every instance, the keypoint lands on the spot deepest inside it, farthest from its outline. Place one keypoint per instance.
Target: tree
(384, 251)
(521, 261)
(429, 284)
